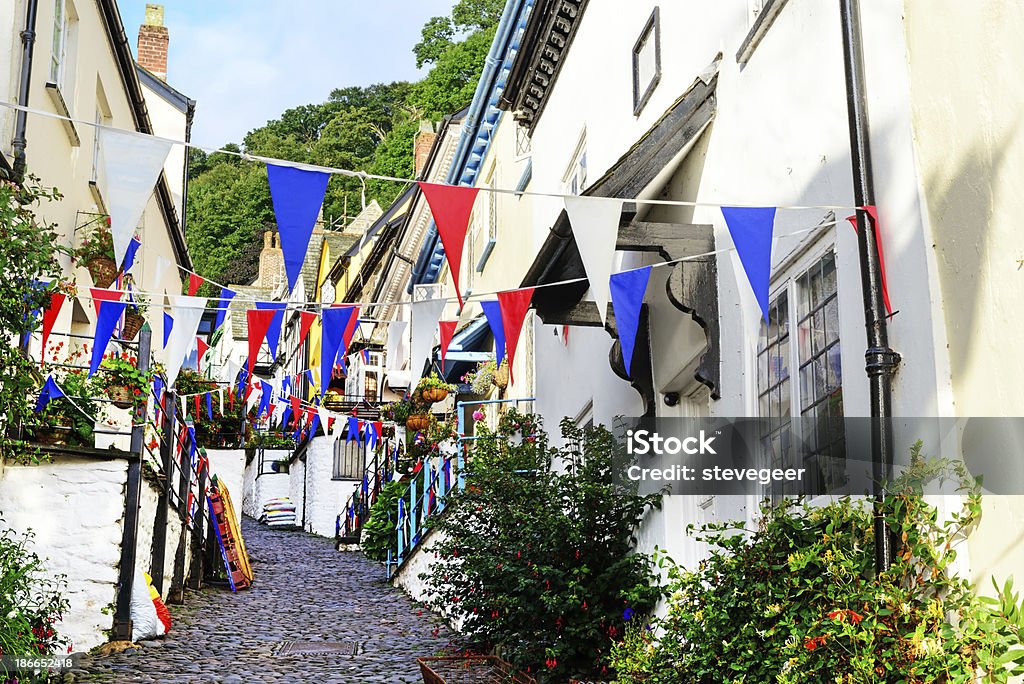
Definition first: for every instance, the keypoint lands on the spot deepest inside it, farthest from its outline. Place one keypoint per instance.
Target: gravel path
(304, 591)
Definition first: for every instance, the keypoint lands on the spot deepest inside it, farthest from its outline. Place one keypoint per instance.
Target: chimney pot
(153, 42)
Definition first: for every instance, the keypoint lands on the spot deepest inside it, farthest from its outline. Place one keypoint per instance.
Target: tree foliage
(369, 128)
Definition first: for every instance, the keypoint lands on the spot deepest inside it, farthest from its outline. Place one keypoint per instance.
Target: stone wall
(75, 508)
(297, 487)
(229, 467)
(258, 489)
(325, 496)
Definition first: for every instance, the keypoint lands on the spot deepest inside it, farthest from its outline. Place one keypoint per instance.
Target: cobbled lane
(304, 591)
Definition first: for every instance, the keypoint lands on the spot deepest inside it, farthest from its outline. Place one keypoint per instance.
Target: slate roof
(237, 320)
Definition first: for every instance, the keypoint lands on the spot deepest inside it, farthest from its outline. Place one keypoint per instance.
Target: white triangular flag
(396, 331)
(425, 315)
(186, 311)
(595, 225)
(131, 164)
(324, 419)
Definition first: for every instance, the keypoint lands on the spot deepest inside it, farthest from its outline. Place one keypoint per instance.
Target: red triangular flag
(451, 206)
(309, 418)
(447, 331)
(50, 317)
(514, 305)
(101, 295)
(248, 391)
(295, 410)
(330, 424)
(194, 281)
(872, 211)
(378, 425)
(306, 319)
(201, 349)
(196, 416)
(350, 331)
(259, 323)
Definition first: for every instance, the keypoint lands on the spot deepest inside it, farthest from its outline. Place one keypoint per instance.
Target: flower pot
(121, 395)
(103, 270)
(500, 378)
(418, 422)
(132, 325)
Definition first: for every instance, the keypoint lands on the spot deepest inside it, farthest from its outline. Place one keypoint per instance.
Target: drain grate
(345, 648)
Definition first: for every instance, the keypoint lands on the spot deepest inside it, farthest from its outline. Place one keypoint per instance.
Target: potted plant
(481, 378)
(417, 422)
(134, 318)
(122, 380)
(97, 252)
(432, 389)
(71, 419)
(397, 411)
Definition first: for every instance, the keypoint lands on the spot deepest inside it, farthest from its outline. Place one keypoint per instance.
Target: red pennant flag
(309, 418)
(100, 295)
(295, 410)
(194, 281)
(248, 391)
(452, 207)
(350, 330)
(50, 317)
(196, 416)
(378, 425)
(872, 211)
(201, 348)
(330, 424)
(306, 319)
(514, 305)
(447, 331)
(259, 323)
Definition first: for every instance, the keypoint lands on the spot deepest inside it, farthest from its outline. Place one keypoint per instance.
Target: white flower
(13, 614)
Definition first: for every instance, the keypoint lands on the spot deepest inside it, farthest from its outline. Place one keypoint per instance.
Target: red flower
(855, 618)
(812, 643)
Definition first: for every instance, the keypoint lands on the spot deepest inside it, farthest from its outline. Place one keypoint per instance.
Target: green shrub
(380, 532)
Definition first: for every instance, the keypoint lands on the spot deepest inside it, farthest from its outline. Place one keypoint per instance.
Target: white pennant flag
(396, 329)
(131, 164)
(325, 419)
(595, 225)
(425, 315)
(186, 312)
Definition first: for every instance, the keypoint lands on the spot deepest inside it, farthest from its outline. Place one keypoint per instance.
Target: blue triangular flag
(297, 195)
(353, 430)
(50, 391)
(209, 406)
(274, 331)
(265, 398)
(168, 326)
(314, 425)
(627, 290)
(285, 417)
(226, 296)
(333, 322)
(492, 310)
(371, 434)
(129, 255)
(106, 320)
(751, 229)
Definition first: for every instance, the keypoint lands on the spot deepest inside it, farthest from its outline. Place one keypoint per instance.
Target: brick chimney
(153, 41)
(424, 143)
(271, 262)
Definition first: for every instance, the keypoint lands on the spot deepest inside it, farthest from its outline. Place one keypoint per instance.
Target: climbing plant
(540, 562)
(380, 532)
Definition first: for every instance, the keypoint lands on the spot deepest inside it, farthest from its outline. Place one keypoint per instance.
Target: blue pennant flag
(297, 195)
(314, 425)
(285, 417)
(627, 290)
(129, 255)
(333, 322)
(366, 485)
(109, 315)
(353, 430)
(371, 434)
(265, 398)
(226, 296)
(209, 406)
(492, 310)
(274, 331)
(751, 229)
(168, 326)
(50, 391)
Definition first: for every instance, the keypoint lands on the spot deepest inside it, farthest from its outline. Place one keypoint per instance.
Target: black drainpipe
(881, 360)
(28, 41)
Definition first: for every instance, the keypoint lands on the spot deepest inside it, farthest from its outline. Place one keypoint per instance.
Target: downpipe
(28, 40)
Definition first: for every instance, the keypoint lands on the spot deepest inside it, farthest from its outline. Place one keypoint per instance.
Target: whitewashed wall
(325, 497)
(229, 467)
(259, 490)
(75, 507)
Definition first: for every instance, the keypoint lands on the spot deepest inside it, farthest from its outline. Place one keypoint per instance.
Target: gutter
(470, 128)
(28, 40)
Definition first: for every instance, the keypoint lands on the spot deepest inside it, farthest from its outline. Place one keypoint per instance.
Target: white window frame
(489, 216)
(574, 179)
(650, 37)
(62, 45)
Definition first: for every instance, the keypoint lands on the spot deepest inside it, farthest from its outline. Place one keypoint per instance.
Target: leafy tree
(436, 38)
(477, 14)
(450, 85)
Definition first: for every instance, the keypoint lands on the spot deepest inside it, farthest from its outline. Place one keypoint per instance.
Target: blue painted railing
(428, 491)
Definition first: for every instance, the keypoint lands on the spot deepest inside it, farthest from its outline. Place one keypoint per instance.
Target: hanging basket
(434, 394)
(500, 378)
(132, 325)
(121, 395)
(103, 270)
(418, 422)
(334, 401)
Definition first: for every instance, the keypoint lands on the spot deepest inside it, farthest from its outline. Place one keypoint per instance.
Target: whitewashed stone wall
(325, 496)
(75, 507)
(297, 488)
(229, 467)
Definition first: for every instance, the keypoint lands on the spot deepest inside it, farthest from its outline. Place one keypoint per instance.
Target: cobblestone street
(304, 591)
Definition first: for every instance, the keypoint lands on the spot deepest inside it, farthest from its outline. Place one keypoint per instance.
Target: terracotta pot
(103, 270)
(132, 325)
(418, 421)
(500, 378)
(121, 395)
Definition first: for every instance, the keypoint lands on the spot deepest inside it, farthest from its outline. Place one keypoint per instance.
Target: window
(802, 332)
(348, 459)
(65, 24)
(647, 62)
(575, 177)
(370, 393)
(762, 15)
(489, 217)
(103, 118)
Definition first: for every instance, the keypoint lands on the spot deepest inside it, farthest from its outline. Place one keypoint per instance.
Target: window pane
(803, 297)
(820, 378)
(828, 270)
(763, 406)
(762, 371)
(785, 399)
(806, 386)
(818, 332)
(832, 320)
(803, 334)
(783, 360)
(816, 286)
(783, 304)
(835, 371)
